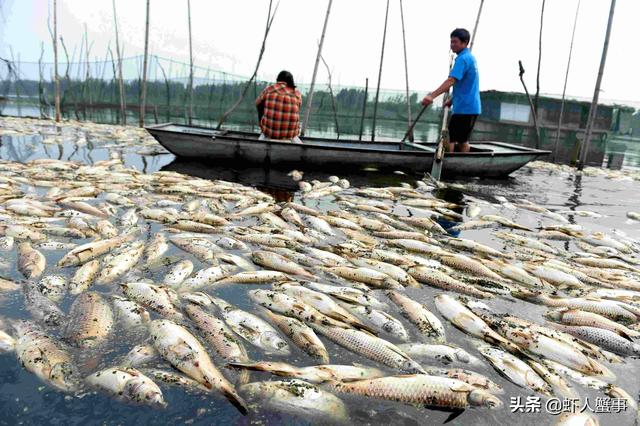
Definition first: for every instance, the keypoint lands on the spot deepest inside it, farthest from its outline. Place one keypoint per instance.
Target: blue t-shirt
(466, 89)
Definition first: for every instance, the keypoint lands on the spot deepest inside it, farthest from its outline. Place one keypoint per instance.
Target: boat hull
(491, 159)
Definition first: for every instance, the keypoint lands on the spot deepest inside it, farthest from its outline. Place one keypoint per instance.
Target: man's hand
(447, 103)
(427, 100)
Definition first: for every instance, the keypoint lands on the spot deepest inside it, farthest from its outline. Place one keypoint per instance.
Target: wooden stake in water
(533, 110)
(333, 99)
(120, 80)
(307, 110)
(55, 55)
(375, 103)
(584, 147)
(535, 102)
(406, 71)
(190, 89)
(564, 88)
(364, 107)
(143, 90)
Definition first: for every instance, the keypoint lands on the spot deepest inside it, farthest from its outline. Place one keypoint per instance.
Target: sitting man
(279, 110)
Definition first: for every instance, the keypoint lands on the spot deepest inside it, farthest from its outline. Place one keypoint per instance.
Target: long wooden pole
(364, 107)
(584, 147)
(120, 80)
(475, 26)
(564, 88)
(533, 110)
(86, 88)
(270, 18)
(375, 103)
(190, 89)
(333, 99)
(307, 110)
(143, 92)
(406, 69)
(535, 102)
(55, 54)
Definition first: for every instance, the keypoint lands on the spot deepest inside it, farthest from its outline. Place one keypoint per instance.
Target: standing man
(465, 101)
(279, 110)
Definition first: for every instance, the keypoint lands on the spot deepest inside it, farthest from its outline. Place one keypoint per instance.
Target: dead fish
(216, 332)
(422, 390)
(187, 354)
(84, 276)
(299, 398)
(426, 322)
(41, 355)
(302, 335)
(31, 262)
(90, 321)
(128, 385)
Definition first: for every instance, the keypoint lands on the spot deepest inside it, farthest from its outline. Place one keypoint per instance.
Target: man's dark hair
(286, 77)
(461, 34)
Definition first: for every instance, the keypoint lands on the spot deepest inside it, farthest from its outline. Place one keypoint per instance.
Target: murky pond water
(24, 399)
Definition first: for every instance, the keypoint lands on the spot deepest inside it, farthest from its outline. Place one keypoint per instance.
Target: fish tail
(236, 400)
(243, 377)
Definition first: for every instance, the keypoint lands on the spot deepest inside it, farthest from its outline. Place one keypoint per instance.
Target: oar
(410, 130)
(438, 154)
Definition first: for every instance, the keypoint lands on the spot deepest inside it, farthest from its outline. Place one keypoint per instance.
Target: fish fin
(235, 399)
(624, 335)
(246, 365)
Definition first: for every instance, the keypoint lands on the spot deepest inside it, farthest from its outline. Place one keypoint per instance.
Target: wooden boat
(491, 159)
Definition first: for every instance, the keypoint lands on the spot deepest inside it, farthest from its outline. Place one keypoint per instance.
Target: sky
(227, 36)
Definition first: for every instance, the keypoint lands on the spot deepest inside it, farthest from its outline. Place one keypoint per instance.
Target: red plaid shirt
(281, 119)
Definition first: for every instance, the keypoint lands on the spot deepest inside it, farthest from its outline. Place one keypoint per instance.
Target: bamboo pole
(535, 101)
(41, 99)
(67, 77)
(375, 103)
(123, 112)
(307, 110)
(406, 71)
(104, 68)
(475, 26)
(86, 88)
(55, 55)
(270, 18)
(364, 107)
(16, 77)
(113, 83)
(333, 99)
(190, 88)
(143, 91)
(533, 111)
(564, 88)
(168, 89)
(584, 147)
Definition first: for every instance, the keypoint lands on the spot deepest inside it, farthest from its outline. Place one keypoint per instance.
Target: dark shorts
(460, 127)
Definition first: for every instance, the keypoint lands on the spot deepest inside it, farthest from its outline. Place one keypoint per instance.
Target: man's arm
(444, 87)
(260, 108)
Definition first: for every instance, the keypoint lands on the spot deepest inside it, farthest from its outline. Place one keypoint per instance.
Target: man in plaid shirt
(279, 109)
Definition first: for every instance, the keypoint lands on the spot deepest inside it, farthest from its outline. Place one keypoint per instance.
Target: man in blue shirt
(465, 100)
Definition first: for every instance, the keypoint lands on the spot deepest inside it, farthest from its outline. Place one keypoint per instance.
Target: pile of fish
(619, 175)
(82, 133)
(94, 253)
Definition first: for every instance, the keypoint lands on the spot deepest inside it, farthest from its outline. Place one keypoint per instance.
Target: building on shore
(507, 117)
